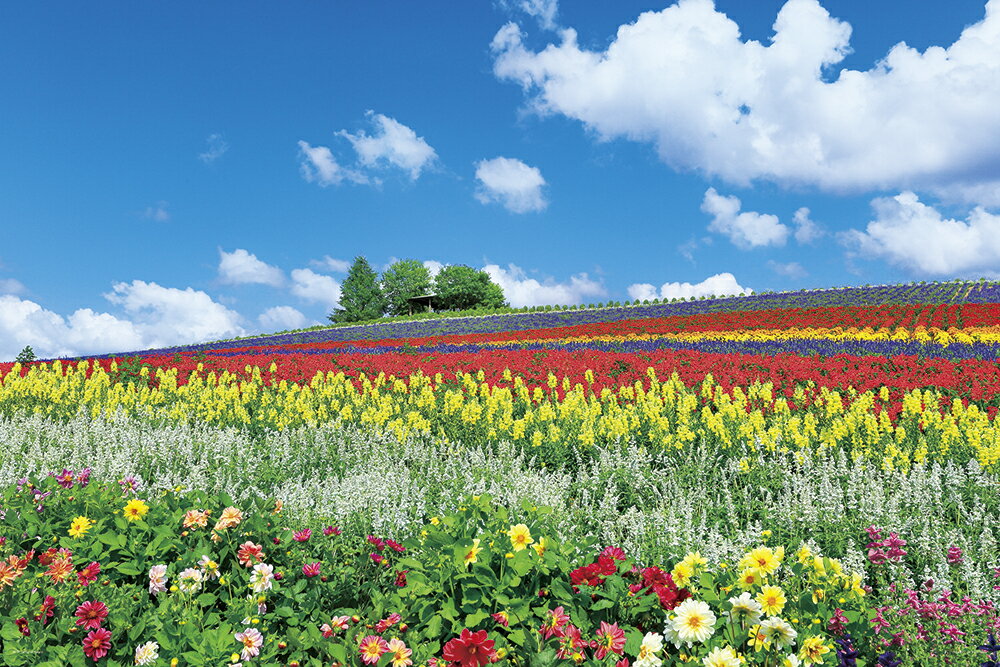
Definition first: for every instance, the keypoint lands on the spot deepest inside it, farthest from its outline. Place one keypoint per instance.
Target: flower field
(807, 478)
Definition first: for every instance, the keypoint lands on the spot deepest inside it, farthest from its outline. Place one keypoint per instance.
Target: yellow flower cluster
(920, 334)
(660, 415)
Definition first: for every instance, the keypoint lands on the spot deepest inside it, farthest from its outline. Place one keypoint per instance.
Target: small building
(421, 303)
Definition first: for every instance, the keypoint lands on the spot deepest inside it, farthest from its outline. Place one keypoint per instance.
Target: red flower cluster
(595, 573)
(661, 584)
(470, 649)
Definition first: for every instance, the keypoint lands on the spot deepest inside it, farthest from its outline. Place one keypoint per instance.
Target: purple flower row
(850, 296)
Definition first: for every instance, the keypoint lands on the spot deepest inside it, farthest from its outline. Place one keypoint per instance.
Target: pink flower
(616, 553)
(378, 558)
(249, 554)
(97, 644)
(252, 640)
(954, 555)
(395, 546)
(88, 575)
(372, 648)
(331, 530)
(610, 639)
(387, 622)
(555, 619)
(311, 569)
(376, 542)
(90, 615)
(302, 535)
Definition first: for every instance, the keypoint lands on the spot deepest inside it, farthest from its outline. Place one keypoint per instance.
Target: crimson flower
(97, 643)
(91, 614)
(22, 625)
(610, 639)
(88, 575)
(249, 554)
(46, 610)
(470, 649)
(302, 535)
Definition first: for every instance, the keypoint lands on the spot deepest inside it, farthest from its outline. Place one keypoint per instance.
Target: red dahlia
(470, 649)
(97, 644)
(91, 614)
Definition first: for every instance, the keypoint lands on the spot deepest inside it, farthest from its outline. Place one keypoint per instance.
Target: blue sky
(176, 172)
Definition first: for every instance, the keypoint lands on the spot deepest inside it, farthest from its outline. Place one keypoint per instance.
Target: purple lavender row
(850, 296)
(798, 346)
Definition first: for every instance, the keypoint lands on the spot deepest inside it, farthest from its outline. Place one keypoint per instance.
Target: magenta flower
(311, 569)
(331, 530)
(954, 555)
(302, 535)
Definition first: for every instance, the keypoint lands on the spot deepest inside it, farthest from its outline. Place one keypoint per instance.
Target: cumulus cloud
(169, 316)
(916, 237)
(747, 229)
(433, 266)
(281, 318)
(159, 213)
(24, 322)
(787, 269)
(216, 148)
(241, 267)
(719, 284)
(156, 316)
(330, 264)
(391, 143)
(512, 183)
(806, 231)
(318, 165)
(315, 287)
(683, 80)
(520, 290)
(543, 11)
(11, 286)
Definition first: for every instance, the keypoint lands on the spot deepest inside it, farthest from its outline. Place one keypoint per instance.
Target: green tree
(404, 279)
(460, 287)
(26, 355)
(360, 296)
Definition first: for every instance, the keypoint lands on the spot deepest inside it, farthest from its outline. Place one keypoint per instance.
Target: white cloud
(806, 231)
(315, 287)
(24, 322)
(217, 147)
(11, 286)
(747, 229)
(318, 165)
(241, 267)
(282, 318)
(719, 284)
(544, 11)
(392, 143)
(520, 290)
(683, 80)
(157, 317)
(433, 266)
(916, 237)
(170, 316)
(788, 269)
(330, 264)
(159, 213)
(512, 183)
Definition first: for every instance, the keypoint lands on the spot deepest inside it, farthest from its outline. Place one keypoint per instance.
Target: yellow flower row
(662, 415)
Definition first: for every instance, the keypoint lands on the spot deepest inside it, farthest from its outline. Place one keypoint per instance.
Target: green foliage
(403, 280)
(460, 287)
(361, 297)
(25, 356)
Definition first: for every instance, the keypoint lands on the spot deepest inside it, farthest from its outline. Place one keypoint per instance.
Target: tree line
(367, 296)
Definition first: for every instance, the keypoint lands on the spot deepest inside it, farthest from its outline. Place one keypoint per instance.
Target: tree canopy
(403, 280)
(360, 296)
(460, 287)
